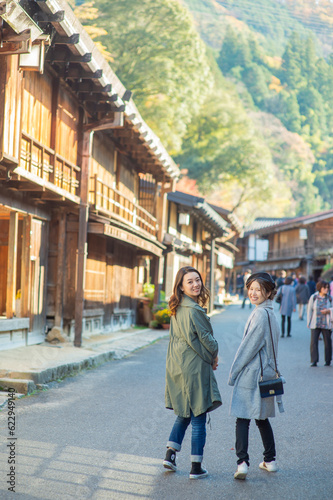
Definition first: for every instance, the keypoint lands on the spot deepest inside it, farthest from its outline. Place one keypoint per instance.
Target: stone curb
(28, 381)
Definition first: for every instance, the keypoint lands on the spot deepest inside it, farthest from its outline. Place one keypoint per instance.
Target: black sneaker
(197, 472)
(170, 460)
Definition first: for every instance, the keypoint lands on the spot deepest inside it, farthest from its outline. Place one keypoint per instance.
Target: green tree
(235, 51)
(160, 57)
(221, 146)
(289, 112)
(291, 69)
(312, 108)
(254, 79)
(309, 60)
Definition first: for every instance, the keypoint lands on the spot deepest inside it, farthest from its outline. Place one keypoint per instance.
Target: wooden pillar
(61, 260)
(212, 274)
(54, 122)
(11, 267)
(25, 267)
(157, 261)
(82, 240)
(309, 267)
(3, 77)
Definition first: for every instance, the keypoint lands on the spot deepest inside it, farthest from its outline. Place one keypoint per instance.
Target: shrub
(160, 307)
(162, 316)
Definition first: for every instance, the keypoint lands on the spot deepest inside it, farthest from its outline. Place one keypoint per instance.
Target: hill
(239, 100)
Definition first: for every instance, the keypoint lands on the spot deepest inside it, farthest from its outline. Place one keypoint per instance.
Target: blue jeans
(198, 435)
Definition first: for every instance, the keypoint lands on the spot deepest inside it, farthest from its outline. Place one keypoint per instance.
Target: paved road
(101, 435)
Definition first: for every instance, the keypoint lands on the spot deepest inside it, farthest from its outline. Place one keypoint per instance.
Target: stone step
(4, 398)
(21, 386)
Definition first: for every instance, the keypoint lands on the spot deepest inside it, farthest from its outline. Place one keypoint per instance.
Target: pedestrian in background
(281, 278)
(191, 388)
(288, 304)
(331, 287)
(320, 313)
(239, 284)
(247, 274)
(295, 279)
(256, 348)
(302, 296)
(312, 285)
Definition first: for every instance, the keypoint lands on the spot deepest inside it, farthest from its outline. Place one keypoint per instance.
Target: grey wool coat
(288, 303)
(190, 380)
(245, 371)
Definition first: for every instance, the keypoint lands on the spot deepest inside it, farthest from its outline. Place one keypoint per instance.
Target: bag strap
(270, 331)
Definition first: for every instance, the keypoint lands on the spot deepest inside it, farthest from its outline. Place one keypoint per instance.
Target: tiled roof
(263, 222)
(294, 222)
(202, 208)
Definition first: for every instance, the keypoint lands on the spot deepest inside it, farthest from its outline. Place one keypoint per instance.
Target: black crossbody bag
(273, 387)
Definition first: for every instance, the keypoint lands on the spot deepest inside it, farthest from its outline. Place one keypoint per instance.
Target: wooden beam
(3, 80)
(43, 17)
(91, 87)
(54, 119)
(125, 132)
(25, 267)
(66, 40)
(98, 97)
(60, 54)
(61, 265)
(11, 48)
(78, 73)
(85, 154)
(112, 122)
(9, 35)
(22, 185)
(11, 264)
(106, 107)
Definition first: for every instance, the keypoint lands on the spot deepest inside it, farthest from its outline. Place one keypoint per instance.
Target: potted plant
(162, 317)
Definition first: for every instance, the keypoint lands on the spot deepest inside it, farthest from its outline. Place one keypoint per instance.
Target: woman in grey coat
(288, 304)
(256, 348)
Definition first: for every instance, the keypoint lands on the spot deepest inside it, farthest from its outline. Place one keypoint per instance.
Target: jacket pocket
(249, 378)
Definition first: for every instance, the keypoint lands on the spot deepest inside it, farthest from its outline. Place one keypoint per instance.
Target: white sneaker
(269, 466)
(241, 471)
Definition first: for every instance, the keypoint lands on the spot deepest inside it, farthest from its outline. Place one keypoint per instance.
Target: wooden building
(303, 245)
(197, 235)
(83, 182)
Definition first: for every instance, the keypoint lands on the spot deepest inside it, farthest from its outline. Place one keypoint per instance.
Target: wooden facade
(82, 184)
(303, 245)
(201, 236)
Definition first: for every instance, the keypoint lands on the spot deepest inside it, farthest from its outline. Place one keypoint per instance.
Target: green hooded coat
(190, 380)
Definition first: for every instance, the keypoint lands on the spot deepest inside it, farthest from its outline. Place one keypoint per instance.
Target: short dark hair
(302, 280)
(288, 280)
(321, 284)
(266, 283)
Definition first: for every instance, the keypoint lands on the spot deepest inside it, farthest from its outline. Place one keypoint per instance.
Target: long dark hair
(177, 295)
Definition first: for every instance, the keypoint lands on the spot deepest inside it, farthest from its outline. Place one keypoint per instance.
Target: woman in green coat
(191, 388)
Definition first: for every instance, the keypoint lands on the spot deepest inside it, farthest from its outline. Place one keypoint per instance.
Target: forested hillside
(247, 112)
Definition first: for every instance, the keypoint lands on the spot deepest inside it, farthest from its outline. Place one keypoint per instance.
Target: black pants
(242, 439)
(315, 332)
(283, 319)
(244, 300)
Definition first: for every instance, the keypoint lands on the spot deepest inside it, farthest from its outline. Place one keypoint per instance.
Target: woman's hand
(325, 311)
(215, 363)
